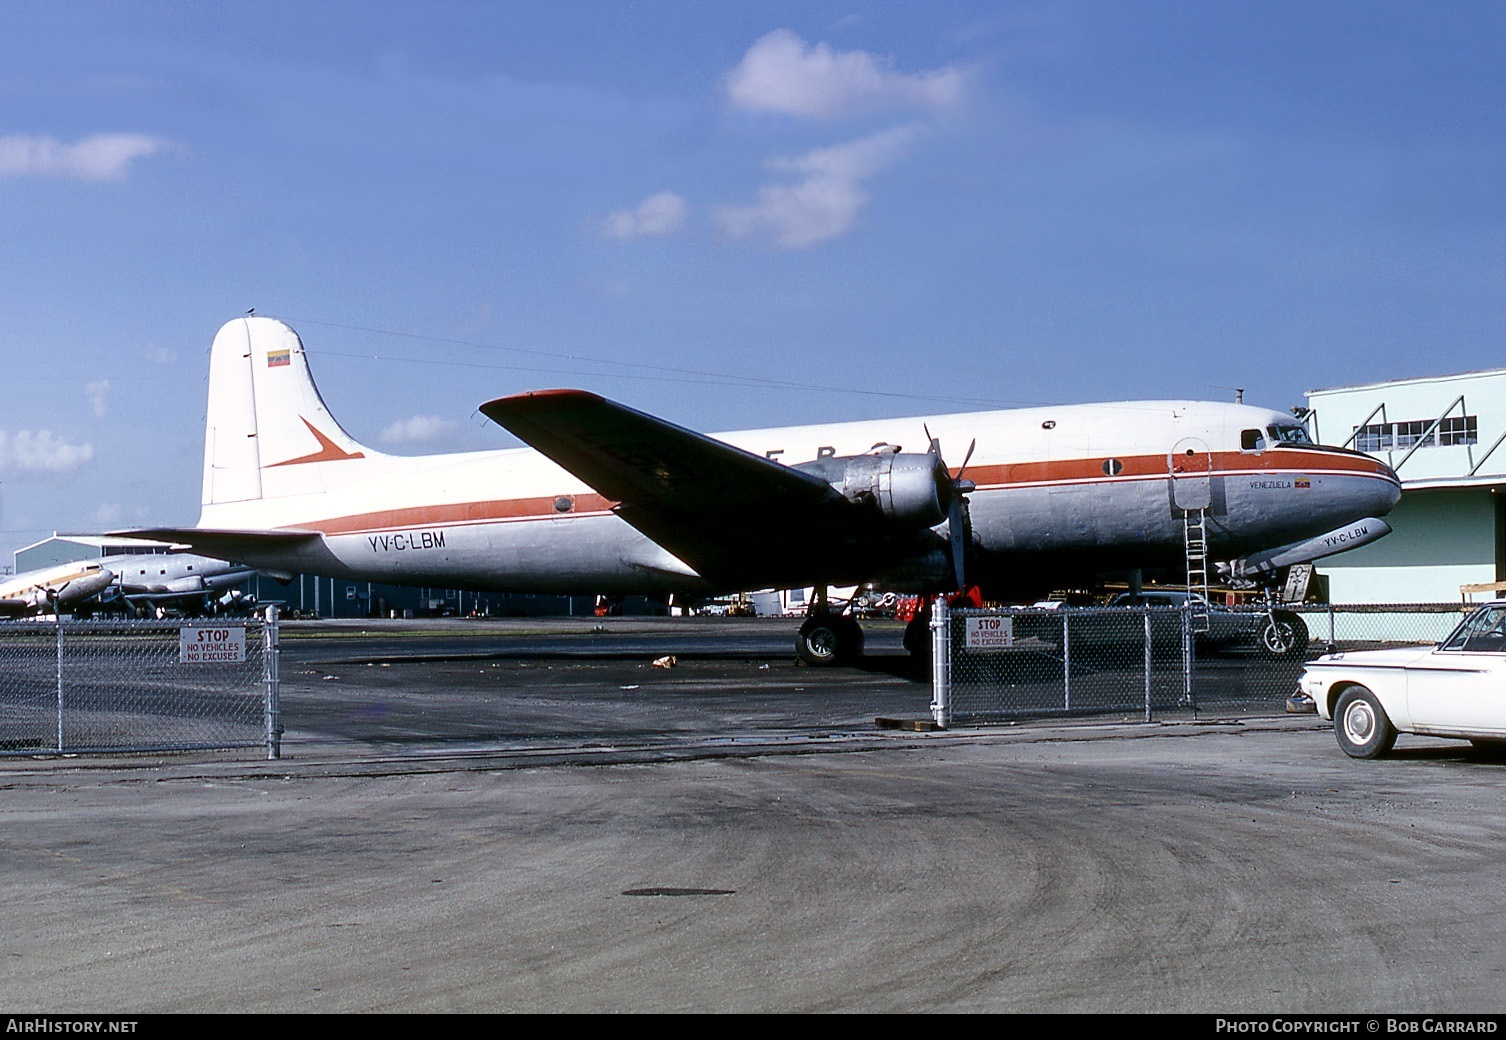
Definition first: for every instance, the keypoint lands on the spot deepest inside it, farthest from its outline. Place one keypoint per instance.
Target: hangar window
(1460, 429)
(1388, 436)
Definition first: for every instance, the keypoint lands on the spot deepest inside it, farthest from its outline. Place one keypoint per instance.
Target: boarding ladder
(1195, 541)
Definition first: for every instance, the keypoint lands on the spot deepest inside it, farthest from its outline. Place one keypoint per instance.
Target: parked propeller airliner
(135, 582)
(609, 500)
(159, 582)
(48, 590)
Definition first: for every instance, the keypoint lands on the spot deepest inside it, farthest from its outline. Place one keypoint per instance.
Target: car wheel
(1361, 725)
(1284, 634)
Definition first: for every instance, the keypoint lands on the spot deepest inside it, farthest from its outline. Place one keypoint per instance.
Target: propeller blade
(957, 516)
(965, 460)
(957, 528)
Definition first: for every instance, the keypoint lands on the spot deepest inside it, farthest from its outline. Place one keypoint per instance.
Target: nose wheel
(1284, 634)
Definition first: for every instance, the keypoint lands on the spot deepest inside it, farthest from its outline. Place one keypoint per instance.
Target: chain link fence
(1151, 662)
(112, 686)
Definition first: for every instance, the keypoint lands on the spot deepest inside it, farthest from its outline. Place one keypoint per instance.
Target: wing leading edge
(741, 520)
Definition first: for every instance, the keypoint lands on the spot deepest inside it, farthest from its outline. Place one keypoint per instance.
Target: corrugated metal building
(1444, 437)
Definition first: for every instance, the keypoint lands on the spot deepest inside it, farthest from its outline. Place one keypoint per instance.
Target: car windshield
(1483, 631)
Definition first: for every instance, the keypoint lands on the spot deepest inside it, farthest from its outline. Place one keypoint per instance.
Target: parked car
(1455, 689)
(1278, 633)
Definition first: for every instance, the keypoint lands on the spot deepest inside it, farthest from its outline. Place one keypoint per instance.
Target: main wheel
(1360, 724)
(1284, 634)
(826, 639)
(917, 638)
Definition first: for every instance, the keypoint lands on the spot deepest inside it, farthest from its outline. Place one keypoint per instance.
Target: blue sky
(728, 215)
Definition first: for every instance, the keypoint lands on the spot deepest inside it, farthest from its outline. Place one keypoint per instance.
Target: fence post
(1189, 657)
(941, 663)
(271, 647)
(1066, 662)
(60, 676)
(1146, 613)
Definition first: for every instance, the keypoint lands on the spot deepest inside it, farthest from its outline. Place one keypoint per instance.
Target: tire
(1284, 634)
(829, 639)
(918, 635)
(1489, 747)
(1360, 724)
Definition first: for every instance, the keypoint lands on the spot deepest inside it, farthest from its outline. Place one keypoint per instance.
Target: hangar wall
(1444, 437)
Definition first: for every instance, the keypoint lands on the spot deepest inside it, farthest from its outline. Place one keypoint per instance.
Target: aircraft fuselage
(1059, 491)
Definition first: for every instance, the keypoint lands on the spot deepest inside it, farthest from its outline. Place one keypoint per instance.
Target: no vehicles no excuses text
(211, 645)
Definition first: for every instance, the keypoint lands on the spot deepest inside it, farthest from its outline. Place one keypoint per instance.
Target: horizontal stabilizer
(268, 551)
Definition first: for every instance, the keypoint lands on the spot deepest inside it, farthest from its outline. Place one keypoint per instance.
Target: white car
(1455, 689)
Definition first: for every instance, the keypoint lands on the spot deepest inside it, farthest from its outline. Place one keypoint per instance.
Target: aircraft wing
(741, 520)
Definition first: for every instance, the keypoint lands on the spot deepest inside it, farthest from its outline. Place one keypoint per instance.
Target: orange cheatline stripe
(995, 477)
(459, 513)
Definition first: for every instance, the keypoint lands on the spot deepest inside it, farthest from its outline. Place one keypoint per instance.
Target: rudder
(268, 433)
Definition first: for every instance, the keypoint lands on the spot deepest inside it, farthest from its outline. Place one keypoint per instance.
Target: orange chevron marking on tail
(328, 451)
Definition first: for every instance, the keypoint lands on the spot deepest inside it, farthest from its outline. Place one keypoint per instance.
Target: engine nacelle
(914, 491)
(187, 584)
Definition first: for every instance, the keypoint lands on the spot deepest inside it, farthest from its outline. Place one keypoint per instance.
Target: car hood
(1398, 658)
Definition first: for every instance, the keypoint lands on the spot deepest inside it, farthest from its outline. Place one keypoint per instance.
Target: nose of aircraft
(1388, 491)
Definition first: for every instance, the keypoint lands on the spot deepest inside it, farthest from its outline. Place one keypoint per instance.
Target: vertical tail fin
(269, 434)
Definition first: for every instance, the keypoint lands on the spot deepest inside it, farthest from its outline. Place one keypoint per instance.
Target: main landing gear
(827, 638)
(832, 637)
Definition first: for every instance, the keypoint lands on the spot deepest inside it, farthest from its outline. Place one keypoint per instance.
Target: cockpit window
(1251, 440)
(1288, 434)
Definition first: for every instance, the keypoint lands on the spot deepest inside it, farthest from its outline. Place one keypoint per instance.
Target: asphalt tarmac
(530, 817)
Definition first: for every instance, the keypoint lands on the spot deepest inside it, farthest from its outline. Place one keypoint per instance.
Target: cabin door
(1191, 466)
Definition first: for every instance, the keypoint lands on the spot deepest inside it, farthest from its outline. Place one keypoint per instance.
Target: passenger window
(1251, 440)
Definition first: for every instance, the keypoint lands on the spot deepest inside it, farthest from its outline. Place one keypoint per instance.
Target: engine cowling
(913, 491)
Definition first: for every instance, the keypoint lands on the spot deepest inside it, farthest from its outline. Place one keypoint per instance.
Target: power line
(644, 370)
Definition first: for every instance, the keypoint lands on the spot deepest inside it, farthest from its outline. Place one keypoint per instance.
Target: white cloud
(781, 74)
(159, 355)
(101, 157)
(42, 452)
(826, 202)
(97, 392)
(656, 216)
(417, 430)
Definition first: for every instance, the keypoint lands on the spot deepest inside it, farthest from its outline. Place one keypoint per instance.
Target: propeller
(959, 525)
